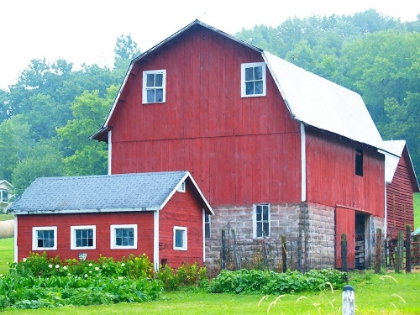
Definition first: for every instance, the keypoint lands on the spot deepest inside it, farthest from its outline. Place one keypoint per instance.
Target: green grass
(416, 210)
(375, 294)
(6, 254)
(4, 216)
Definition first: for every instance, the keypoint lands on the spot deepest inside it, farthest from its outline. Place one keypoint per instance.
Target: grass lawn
(4, 216)
(375, 294)
(6, 254)
(416, 210)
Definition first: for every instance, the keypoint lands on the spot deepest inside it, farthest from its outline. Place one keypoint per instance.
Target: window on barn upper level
(253, 83)
(180, 238)
(83, 237)
(359, 162)
(44, 238)
(124, 236)
(154, 86)
(261, 220)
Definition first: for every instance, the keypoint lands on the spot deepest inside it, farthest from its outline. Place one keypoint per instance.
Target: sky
(85, 31)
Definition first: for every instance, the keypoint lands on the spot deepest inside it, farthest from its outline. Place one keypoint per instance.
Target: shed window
(44, 238)
(253, 82)
(359, 162)
(154, 86)
(124, 236)
(261, 220)
(180, 238)
(83, 237)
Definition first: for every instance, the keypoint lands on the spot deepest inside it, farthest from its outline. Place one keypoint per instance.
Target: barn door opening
(360, 241)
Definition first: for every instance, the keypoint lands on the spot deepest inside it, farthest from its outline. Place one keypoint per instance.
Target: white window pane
(179, 238)
(150, 82)
(158, 79)
(249, 74)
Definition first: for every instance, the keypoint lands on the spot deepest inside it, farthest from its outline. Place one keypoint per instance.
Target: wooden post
(284, 253)
(344, 253)
(399, 251)
(378, 250)
(348, 301)
(223, 250)
(238, 261)
(407, 248)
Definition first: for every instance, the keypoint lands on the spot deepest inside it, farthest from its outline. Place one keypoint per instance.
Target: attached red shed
(159, 214)
(401, 183)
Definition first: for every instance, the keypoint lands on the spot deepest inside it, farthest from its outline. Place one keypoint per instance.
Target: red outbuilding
(276, 149)
(160, 214)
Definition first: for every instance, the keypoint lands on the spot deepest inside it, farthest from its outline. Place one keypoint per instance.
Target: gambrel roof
(309, 98)
(104, 193)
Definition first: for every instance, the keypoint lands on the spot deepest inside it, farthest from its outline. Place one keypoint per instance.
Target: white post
(348, 305)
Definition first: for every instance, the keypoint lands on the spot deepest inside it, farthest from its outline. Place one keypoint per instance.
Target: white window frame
(114, 227)
(244, 66)
(4, 193)
(35, 231)
(73, 229)
(145, 88)
(185, 238)
(255, 222)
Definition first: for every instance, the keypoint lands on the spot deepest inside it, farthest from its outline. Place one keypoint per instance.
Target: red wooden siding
(345, 224)
(400, 199)
(182, 210)
(144, 221)
(331, 178)
(239, 150)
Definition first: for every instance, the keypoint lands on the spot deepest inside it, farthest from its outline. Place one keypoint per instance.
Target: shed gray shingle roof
(129, 192)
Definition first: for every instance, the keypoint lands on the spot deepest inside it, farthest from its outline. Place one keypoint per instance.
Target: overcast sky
(85, 31)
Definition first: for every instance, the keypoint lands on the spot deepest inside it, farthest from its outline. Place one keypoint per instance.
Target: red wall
(102, 222)
(331, 178)
(182, 210)
(400, 199)
(239, 150)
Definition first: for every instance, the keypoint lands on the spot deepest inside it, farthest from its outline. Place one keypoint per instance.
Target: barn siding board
(175, 214)
(345, 224)
(144, 220)
(335, 170)
(400, 200)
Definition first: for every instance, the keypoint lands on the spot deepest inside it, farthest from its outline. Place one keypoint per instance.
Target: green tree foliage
(84, 156)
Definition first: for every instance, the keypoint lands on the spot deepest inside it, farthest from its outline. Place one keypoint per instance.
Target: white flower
(90, 271)
(86, 275)
(90, 265)
(49, 266)
(24, 259)
(120, 278)
(65, 267)
(57, 266)
(68, 274)
(122, 264)
(96, 268)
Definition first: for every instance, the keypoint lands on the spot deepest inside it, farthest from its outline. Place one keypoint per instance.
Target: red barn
(276, 149)
(401, 183)
(159, 214)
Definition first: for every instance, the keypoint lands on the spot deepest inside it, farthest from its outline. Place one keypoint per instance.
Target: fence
(302, 252)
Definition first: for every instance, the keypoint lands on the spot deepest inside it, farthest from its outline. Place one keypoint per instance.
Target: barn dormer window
(359, 162)
(253, 83)
(154, 86)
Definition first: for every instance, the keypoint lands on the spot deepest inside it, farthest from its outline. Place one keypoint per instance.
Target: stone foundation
(309, 231)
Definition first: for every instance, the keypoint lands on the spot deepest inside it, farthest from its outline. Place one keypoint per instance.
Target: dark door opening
(360, 241)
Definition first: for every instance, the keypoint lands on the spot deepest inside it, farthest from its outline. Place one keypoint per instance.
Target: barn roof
(395, 150)
(104, 193)
(309, 98)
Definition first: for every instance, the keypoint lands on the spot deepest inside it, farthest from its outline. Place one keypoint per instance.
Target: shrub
(270, 282)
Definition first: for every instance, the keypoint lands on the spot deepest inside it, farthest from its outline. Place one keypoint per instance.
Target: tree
(85, 156)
